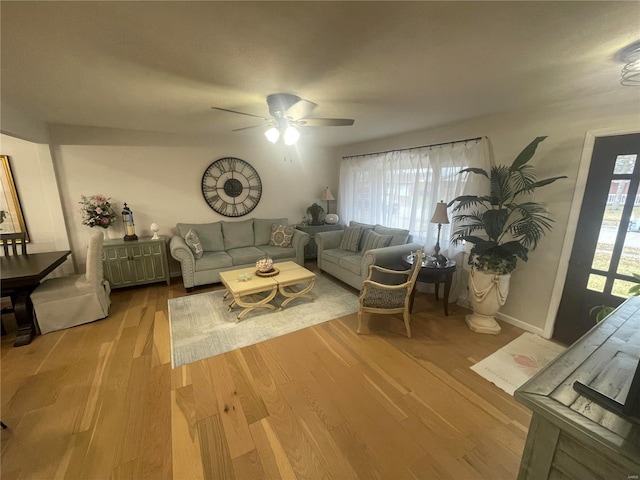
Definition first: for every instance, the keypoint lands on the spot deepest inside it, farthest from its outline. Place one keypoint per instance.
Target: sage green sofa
(352, 265)
(229, 246)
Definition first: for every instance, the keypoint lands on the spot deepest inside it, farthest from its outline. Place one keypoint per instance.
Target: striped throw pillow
(350, 239)
(375, 240)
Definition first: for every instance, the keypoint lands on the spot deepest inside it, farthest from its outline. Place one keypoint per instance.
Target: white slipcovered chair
(76, 299)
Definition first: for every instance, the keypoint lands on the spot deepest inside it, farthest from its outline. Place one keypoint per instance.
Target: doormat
(518, 361)
(202, 326)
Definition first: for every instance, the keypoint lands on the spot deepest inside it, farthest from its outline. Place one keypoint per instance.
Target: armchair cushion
(193, 242)
(281, 235)
(351, 238)
(375, 297)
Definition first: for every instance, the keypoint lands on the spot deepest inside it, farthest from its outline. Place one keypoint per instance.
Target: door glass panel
(596, 283)
(610, 224)
(630, 258)
(624, 164)
(621, 288)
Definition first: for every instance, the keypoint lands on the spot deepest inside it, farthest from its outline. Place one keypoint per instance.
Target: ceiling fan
(287, 113)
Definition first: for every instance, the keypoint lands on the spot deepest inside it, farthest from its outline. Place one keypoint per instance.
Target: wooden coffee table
(290, 274)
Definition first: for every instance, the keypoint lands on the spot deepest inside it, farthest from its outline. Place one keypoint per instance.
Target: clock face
(231, 187)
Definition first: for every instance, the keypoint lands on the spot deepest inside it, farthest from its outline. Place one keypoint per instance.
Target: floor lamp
(440, 217)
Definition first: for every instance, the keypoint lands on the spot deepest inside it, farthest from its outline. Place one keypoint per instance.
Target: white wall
(34, 176)
(566, 125)
(159, 176)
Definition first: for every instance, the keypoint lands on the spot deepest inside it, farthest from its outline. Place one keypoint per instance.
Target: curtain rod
(414, 148)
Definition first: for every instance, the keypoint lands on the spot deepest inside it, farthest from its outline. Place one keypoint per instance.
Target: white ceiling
(392, 66)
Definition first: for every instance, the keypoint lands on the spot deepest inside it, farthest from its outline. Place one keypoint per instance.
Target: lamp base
(130, 238)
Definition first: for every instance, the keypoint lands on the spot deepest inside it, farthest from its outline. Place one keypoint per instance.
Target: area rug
(201, 325)
(518, 361)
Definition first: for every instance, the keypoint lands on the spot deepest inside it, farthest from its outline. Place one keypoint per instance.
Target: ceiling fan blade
(300, 109)
(252, 126)
(325, 122)
(241, 113)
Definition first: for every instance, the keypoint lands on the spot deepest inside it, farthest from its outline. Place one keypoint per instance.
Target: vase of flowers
(97, 211)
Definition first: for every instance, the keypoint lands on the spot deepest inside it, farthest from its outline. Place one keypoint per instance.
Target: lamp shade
(327, 195)
(440, 215)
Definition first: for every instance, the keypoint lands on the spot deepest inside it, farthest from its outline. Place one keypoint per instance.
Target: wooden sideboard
(571, 437)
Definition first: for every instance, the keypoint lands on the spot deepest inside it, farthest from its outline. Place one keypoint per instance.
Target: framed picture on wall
(11, 217)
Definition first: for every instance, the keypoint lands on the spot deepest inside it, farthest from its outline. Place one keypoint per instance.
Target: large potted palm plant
(502, 228)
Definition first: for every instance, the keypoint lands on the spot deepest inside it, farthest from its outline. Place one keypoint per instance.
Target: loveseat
(346, 254)
(204, 250)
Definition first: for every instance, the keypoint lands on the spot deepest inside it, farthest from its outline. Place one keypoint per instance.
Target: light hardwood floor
(101, 401)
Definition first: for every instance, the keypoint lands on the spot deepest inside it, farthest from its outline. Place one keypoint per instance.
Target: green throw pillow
(281, 235)
(192, 240)
(350, 239)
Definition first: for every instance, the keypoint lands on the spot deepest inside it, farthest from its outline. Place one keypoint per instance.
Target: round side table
(436, 274)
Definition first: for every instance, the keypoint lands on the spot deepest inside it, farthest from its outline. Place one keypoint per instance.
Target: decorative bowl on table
(331, 218)
(264, 264)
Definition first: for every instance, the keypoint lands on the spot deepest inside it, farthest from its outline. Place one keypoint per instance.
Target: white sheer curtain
(401, 188)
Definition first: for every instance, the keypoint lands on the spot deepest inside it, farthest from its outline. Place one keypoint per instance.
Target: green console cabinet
(311, 248)
(136, 262)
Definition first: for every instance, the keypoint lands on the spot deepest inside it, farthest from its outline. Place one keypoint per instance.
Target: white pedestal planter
(488, 293)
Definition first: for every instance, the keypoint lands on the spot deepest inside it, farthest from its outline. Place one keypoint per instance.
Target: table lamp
(326, 196)
(440, 217)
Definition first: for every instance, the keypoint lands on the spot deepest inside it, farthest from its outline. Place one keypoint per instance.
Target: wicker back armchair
(381, 298)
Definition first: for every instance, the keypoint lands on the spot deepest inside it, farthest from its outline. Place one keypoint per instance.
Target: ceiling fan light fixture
(291, 135)
(630, 74)
(272, 134)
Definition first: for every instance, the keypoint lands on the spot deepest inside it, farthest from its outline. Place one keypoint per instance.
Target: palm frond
(501, 191)
(478, 171)
(523, 179)
(468, 201)
(526, 154)
(541, 183)
(532, 224)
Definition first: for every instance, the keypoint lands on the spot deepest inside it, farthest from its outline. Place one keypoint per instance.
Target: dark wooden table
(436, 274)
(20, 275)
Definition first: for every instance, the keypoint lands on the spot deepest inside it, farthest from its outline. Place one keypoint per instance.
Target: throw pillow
(375, 240)
(281, 235)
(192, 240)
(350, 239)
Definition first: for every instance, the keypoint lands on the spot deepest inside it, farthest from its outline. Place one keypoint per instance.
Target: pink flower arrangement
(97, 211)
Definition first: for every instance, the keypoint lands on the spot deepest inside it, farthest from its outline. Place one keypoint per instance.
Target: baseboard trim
(520, 324)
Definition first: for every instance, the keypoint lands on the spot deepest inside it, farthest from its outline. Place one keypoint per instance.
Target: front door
(606, 249)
